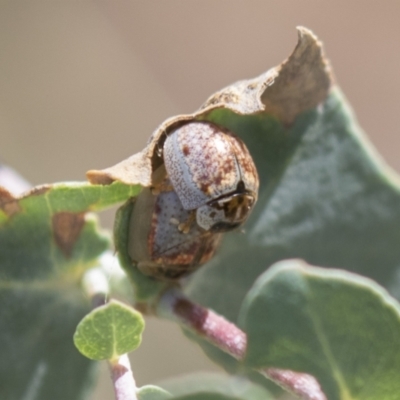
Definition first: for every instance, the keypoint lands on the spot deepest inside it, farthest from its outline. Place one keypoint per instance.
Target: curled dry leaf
(300, 83)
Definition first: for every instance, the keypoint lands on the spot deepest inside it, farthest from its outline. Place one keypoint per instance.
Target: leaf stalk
(225, 335)
(122, 378)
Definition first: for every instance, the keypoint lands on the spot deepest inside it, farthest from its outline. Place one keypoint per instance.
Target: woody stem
(229, 338)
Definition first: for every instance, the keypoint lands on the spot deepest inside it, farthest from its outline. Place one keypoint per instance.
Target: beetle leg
(185, 226)
(164, 186)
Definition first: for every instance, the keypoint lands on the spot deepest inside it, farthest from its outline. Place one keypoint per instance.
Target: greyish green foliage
(325, 197)
(151, 392)
(207, 386)
(40, 295)
(337, 326)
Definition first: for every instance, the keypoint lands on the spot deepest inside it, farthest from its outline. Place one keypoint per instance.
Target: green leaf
(47, 241)
(207, 386)
(109, 331)
(339, 327)
(46, 232)
(38, 357)
(325, 197)
(151, 392)
(144, 287)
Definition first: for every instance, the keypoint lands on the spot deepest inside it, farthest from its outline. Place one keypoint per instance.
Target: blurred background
(84, 83)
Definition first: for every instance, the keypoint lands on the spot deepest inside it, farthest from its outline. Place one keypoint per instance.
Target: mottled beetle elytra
(213, 173)
(158, 244)
(210, 186)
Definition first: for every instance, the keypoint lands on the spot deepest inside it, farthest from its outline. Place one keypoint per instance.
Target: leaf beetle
(158, 246)
(213, 174)
(207, 185)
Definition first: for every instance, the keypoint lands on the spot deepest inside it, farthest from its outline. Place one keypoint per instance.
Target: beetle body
(157, 244)
(212, 173)
(207, 185)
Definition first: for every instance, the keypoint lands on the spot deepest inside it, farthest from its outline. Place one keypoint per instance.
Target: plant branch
(302, 385)
(228, 337)
(123, 380)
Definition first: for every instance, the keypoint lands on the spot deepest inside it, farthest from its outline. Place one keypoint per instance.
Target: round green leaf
(207, 386)
(109, 331)
(339, 327)
(324, 198)
(151, 392)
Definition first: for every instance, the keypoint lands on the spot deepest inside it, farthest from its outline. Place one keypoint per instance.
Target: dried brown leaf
(300, 83)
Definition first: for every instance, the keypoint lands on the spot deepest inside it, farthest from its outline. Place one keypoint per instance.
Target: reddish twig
(216, 329)
(304, 386)
(123, 380)
(229, 338)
